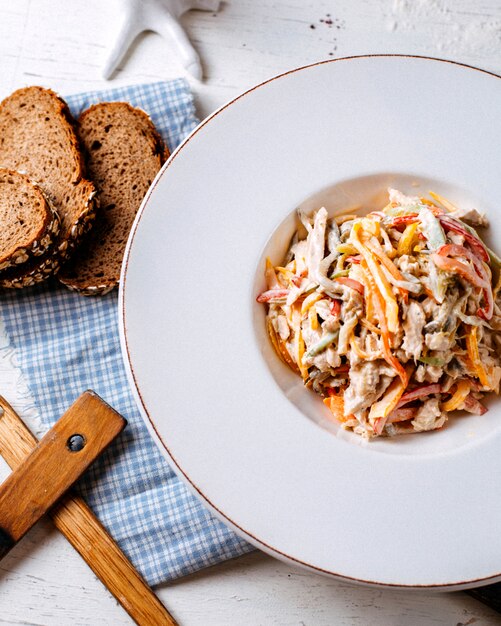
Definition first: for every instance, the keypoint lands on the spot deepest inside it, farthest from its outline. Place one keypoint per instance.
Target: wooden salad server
(42, 473)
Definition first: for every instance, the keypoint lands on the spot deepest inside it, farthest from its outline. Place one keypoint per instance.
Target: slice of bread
(38, 138)
(124, 153)
(29, 223)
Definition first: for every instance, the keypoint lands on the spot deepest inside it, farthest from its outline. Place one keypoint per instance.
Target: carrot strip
(336, 406)
(472, 347)
(390, 266)
(379, 309)
(385, 260)
(443, 201)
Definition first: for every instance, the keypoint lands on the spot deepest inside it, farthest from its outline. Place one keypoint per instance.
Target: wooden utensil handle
(6, 543)
(75, 520)
(57, 461)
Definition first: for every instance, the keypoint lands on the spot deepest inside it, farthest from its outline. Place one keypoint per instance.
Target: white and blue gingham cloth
(66, 343)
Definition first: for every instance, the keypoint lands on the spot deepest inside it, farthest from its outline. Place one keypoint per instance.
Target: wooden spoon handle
(56, 462)
(75, 520)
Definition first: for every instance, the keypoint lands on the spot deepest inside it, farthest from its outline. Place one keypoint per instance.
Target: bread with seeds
(29, 223)
(124, 152)
(38, 138)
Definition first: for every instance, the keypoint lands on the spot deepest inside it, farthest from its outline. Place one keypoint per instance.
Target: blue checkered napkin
(66, 343)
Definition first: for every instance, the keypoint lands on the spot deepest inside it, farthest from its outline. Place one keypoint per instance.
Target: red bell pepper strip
(351, 283)
(450, 223)
(272, 295)
(354, 259)
(449, 250)
(451, 265)
(401, 415)
(336, 308)
(419, 392)
(411, 218)
(452, 249)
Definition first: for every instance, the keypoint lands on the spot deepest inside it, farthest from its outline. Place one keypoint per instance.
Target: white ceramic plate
(236, 424)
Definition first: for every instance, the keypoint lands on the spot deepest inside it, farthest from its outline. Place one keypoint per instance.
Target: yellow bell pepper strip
(300, 353)
(385, 335)
(382, 408)
(291, 278)
(310, 300)
(474, 356)
(285, 272)
(408, 239)
(462, 391)
(270, 276)
(299, 341)
(280, 348)
(341, 260)
(369, 304)
(313, 317)
(346, 248)
(389, 303)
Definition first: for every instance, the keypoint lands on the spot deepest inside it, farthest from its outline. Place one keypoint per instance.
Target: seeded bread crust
(30, 224)
(124, 152)
(38, 138)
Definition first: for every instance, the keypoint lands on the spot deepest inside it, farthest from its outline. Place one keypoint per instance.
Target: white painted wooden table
(62, 45)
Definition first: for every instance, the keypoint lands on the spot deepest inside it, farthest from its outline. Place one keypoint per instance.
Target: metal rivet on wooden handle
(75, 520)
(58, 460)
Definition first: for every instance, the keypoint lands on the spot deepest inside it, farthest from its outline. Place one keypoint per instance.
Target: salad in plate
(392, 317)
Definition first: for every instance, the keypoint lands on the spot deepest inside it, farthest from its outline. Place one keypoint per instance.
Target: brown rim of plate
(179, 470)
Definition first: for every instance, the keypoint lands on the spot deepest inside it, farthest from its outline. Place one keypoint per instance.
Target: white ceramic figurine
(161, 16)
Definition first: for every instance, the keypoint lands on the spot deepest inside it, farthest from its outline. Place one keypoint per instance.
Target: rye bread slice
(38, 138)
(124, 153)
(29, 223)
